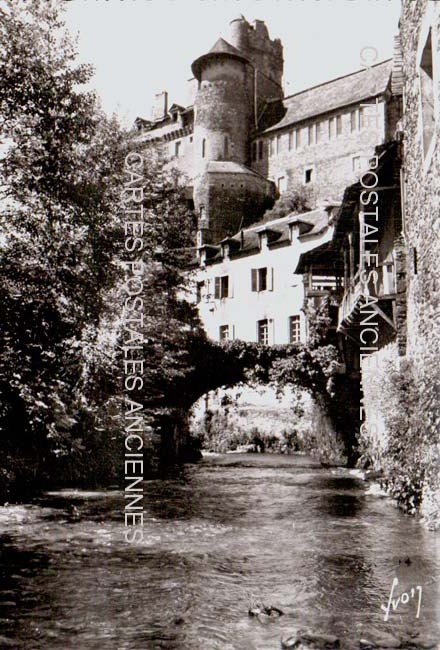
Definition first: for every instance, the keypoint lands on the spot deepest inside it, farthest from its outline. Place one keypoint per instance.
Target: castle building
(241, 144)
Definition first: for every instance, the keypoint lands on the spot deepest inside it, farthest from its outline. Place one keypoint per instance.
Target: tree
(294, 201)
(59, 228)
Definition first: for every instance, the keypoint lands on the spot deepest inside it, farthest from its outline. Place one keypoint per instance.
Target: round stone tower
(227, 192)
(222, 108)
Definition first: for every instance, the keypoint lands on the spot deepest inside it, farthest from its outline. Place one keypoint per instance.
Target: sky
(142, 47)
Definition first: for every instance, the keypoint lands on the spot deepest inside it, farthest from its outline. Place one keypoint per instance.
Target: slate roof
(223, 47)
(313, 222)
(220, 47)
(331, 95)
(247, 241)
(230, 167)
(325, 260)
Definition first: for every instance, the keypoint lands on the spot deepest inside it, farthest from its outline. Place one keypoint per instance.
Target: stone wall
(417, 374)
(222, 111)
(255, 43)
(421, 20)
(375, 369)
(332, 159)
(231, 201)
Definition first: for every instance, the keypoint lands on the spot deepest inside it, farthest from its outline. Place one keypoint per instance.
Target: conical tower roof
(221, 49)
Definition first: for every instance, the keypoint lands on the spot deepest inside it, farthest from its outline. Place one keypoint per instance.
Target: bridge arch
(313, 369)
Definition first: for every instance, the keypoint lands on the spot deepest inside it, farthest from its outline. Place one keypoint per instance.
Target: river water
(220, 535)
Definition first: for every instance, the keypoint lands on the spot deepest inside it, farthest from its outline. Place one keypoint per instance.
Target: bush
(408, 452)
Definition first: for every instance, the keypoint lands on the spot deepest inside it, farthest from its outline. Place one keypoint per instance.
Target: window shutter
(230, 288)
(270, 279)
(225, 288)
(254, 279)
(217, 288)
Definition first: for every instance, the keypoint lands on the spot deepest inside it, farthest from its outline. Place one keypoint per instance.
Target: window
(221, 287)
(427, 93)
(308, 175)
(360, 118)
(260, 149)
(202, 213)
(338, 124)
(224, 332)
(388, 279)
(177, 149)
(353, 120)
(270, 147)
(310, 135)
(226, 147)
(254, 151)
(278, 144)
(259, 279)
(331, 128)
(282, 184)
(294, 329)
(317, 131)
(356, 163)
(199, 288)
(263, 331)
(414, 261)
(291, 139)
(203, 148)
(297, 138)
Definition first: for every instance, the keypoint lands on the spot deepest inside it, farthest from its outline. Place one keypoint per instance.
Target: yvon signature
(404, 598)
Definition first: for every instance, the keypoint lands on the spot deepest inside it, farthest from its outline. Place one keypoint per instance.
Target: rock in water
(288, 642)
(383, 641)
(268, 611)
(309, 640)
(418, 641)
(264, 618)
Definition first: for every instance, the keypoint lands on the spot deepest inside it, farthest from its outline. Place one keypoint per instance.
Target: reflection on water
(232, 530)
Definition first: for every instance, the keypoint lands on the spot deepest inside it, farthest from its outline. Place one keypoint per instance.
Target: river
(218, 536)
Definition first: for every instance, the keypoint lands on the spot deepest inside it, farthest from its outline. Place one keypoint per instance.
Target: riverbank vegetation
(406, 451)
(61, 243)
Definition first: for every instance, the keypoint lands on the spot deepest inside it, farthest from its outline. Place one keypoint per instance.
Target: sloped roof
(247, 241)
(325, 260)
(334, 94)
(229, 167)
(223, 47)
(220, 48)
(314, 222)
(316, 219)
(176, 107)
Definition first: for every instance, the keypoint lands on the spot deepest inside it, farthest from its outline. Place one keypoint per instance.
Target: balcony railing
(351, 298)
(385, 286)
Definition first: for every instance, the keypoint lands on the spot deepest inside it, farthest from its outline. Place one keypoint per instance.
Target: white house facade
(246, 287)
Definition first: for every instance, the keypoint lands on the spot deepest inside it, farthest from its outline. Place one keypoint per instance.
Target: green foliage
(60, 185)
(402, 454)
(294, 201)
(319, 321)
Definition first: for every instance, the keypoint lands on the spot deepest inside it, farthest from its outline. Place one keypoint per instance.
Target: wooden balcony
(357, 293)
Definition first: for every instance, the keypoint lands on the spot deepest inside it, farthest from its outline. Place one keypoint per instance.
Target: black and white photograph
(220, 324)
